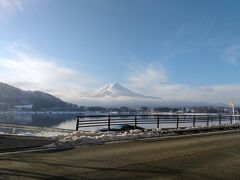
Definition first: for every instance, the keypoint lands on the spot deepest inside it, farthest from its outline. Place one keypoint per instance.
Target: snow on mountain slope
(117, 90)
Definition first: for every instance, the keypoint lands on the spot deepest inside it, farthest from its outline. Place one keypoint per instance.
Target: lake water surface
(39, 119)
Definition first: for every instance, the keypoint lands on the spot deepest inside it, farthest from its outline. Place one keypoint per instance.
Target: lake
(53, 120)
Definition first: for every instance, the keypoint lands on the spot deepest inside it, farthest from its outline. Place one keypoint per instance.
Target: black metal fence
(156, 120)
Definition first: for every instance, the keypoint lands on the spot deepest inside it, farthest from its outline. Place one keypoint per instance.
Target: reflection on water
(71, 124)
(39, 120)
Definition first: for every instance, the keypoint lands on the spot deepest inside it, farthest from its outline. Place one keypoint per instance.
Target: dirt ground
(12, 143)
(199, 157)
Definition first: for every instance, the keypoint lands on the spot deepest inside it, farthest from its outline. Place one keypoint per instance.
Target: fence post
(177, 121)
(135, 122)
(14, 130)
(220, 119)
(158, 122)
(109, 123)
(230, 119)
(77, 125)
(194, 120)
(207, 120)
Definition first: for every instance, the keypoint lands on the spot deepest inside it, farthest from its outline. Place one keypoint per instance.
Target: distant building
(24, 107)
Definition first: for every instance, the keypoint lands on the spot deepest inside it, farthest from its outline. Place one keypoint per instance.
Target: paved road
(206, 157)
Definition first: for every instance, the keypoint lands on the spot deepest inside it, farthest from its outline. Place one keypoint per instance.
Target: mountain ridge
(110, 95)
(115, 90)
(11, 97)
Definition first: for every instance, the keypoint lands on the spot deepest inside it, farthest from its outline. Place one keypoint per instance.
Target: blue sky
(172, 49)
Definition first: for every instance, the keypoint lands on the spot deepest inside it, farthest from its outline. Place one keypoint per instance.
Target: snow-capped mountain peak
(116, 90)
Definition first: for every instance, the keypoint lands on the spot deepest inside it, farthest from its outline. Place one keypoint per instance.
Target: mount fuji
(115, 90)
(114, 95)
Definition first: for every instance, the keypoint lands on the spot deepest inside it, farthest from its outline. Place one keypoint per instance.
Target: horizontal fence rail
(156, 120)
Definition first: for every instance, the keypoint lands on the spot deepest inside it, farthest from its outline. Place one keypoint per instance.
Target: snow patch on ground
(81, 137)
(93, 137)
(44, 134)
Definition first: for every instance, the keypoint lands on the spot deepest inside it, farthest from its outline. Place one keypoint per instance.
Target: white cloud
(153, 81)
(8, 7)
(144, 77)
(33, 72)
(232, 54)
